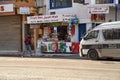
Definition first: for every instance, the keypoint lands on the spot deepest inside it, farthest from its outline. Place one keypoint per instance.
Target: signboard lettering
(2, 8)
(6, 8)
(49, 18)
(99, 10)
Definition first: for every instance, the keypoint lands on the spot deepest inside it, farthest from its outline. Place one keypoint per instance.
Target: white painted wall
(93, 2)
(116, 1)
(78, 9)
(75, 37)
(88, 1)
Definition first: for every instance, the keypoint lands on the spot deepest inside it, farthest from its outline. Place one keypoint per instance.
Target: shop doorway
(82, 30)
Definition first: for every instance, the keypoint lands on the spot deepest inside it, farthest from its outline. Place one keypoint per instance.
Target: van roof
(108, 25)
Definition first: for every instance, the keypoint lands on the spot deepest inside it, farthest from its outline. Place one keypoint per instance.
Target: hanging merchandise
(54, 47)
(68, 48)
(43, 47)
(62, 47)
(75, 47)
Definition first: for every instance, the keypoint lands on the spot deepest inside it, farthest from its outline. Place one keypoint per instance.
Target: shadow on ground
(60, 56)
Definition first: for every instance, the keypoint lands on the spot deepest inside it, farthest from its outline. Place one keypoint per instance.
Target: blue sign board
(75, 21)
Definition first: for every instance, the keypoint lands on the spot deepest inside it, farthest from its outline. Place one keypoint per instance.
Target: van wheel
(92, 54)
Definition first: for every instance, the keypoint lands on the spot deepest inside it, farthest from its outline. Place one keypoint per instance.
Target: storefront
(10, 34)
(56, 32)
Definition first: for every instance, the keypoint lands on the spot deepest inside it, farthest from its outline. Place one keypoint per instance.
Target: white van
(102, 41)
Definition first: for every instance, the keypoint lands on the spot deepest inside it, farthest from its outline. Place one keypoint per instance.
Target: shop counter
(59, 47)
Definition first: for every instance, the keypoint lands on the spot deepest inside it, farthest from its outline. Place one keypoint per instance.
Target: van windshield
(91, 35)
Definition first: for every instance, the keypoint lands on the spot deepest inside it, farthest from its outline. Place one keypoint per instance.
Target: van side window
(111, 34)
(92, 35)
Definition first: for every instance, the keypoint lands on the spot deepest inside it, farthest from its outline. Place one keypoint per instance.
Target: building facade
(12, 19)
(78, 16)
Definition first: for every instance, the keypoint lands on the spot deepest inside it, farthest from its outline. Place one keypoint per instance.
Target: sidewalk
(41, 55)
(58, 55)
(44, 55)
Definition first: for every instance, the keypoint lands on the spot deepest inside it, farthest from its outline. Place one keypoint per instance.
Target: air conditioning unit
(42, 10)
(40, 3)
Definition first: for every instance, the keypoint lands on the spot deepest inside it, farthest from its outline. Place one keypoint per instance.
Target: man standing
(27, 42)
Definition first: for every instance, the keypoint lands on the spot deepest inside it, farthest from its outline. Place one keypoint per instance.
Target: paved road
(16, 68)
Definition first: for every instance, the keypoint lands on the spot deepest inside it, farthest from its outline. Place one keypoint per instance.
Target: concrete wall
(111, 15)
(118, 14)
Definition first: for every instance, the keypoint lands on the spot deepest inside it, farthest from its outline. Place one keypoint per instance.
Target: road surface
(17, 68)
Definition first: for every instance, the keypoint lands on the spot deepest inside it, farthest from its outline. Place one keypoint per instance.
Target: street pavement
(58, 68)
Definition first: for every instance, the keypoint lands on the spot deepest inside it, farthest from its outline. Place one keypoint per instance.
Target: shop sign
(74, 21)
(24, 10)
(68, 17)
(6, 8)
(99, 10)
(44, 19)
(50, 18)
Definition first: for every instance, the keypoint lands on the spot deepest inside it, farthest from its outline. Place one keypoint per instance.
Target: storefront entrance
(54, 37)
(82, 30)
(56, 32)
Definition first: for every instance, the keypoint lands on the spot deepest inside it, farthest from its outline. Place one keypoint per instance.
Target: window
(92, 35)
(119, 1)
(5, 0)
(40, 3)
(60, 4)
(79, 1)
(98, 17)
(111, 34)
(104, 1)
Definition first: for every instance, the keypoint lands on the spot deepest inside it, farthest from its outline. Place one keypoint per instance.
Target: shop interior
(53, 33)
